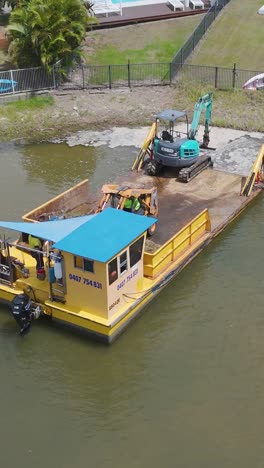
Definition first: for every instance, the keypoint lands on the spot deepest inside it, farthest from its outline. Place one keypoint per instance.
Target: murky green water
(183, 387)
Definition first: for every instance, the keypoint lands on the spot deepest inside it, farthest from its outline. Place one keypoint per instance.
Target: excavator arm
(146, 148)
(204, 103)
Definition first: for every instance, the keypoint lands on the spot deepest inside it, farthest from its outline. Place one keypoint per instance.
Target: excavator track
(188, 173)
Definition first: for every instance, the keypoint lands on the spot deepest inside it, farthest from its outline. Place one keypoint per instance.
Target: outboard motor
(22, 312)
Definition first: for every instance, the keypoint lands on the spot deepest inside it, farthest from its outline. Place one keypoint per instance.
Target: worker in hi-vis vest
(132, 204)
(35, 243)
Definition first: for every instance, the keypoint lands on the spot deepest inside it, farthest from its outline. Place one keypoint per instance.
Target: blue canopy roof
(48, 230)
(98, 237)
(105, 235)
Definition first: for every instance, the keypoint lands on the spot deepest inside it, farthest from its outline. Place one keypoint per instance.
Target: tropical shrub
(41, 32)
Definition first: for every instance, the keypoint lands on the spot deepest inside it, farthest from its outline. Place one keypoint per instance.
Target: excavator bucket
(116, 196)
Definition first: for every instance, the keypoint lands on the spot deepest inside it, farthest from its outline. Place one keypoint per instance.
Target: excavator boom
(204, 103)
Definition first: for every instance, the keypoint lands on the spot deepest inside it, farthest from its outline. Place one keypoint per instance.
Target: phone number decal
(127, 279)
(86, 281)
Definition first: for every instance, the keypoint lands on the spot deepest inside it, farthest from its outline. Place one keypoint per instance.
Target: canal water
(182, 387)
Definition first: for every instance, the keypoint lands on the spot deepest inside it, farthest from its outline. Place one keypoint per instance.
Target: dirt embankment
(96, 109)
(101, 109)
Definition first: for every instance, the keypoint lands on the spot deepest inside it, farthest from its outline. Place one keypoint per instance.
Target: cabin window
(88, 265)
(84, 264)
(135, 251)
(123, 263)
(112, 271)
(78, 262)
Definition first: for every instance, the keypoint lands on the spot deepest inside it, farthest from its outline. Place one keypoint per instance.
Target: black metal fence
(132, 75)
(197, 35)
(212, 77)
(116, 76)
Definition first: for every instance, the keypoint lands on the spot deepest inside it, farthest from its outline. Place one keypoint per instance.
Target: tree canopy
(41, 32)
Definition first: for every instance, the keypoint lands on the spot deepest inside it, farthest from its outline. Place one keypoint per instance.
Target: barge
(100, 269)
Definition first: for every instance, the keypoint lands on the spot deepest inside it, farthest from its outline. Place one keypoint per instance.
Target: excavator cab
(135, 200)
(172, 148)
(166, 122)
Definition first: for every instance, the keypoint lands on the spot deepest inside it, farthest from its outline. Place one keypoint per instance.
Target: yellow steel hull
(107, 333)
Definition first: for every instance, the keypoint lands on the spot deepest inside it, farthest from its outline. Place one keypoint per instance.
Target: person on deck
(35, 243)
(132, 205)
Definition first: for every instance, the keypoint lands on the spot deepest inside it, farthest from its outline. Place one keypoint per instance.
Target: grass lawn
(143, 43)
(236, 36)
(238, 109)
(12, 109)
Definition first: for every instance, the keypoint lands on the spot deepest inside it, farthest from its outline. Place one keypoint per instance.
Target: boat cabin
(92, 263)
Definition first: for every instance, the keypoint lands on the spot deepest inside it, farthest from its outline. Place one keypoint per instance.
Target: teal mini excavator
(170, 149)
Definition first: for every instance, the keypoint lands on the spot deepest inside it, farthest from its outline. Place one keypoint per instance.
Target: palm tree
(41, 32)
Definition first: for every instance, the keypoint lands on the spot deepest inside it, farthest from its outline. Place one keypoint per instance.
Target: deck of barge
(179, 203)
(216, 189)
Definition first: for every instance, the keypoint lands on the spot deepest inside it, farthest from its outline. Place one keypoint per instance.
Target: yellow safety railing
(137, 164)
(256, 169)
(158, 261)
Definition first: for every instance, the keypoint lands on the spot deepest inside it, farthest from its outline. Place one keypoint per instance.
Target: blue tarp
(98, 237)
(48, 230)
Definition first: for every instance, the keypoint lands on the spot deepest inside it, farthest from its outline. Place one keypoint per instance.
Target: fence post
(57, 74)
(216, 77)
(53, 76)
(193, 47)
(234, 77)
(109, 77)
(128, 74)
(12, 81)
